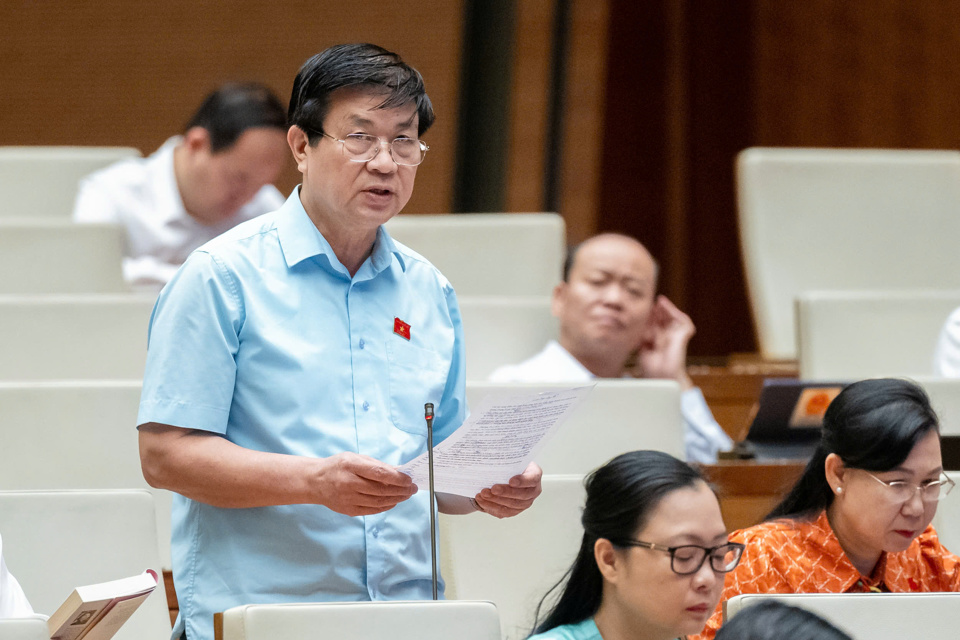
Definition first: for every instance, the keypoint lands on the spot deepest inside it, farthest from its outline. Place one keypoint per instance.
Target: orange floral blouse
(792, 556)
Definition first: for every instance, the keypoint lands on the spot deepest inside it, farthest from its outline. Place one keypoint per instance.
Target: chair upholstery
(848, 335)
(843, 219)
(428, 620)
(86, 432)
(54, 256)
(24, 629)
(514, 561)
(504, 254)
(42, 181)
(501, 330)
(78, 337)
(877, 616)
(616, 417)
(55, 541)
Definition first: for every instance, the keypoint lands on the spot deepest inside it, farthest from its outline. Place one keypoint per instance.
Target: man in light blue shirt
(289, 363)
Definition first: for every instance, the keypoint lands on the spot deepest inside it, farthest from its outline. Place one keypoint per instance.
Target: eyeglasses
(902, 491)
(360, 147)
(688, 558)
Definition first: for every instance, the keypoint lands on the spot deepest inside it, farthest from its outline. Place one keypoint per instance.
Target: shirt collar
(848, 574)
(300, 240)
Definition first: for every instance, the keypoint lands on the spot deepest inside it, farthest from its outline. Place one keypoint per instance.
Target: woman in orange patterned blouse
(859, 517)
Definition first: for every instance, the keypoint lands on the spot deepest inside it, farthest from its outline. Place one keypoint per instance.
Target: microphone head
(428, 410)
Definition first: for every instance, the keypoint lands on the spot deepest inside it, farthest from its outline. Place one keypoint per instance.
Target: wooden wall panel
(131, 73)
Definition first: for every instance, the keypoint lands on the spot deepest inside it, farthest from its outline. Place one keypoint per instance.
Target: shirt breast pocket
(416, 376)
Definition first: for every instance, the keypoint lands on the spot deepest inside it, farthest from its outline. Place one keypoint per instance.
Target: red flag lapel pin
(401, 328)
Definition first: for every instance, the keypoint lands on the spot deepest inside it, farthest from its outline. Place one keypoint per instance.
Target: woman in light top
(858, 518)
(651, 560)
(13, 604)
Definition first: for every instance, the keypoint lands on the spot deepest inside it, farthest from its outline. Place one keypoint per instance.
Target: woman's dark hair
(772, 620)
(233, 108)
(621, 495)
(872, 425)
(355, 65)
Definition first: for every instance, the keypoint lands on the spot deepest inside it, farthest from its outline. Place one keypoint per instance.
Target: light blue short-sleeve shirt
(264, 337)
(586, 630)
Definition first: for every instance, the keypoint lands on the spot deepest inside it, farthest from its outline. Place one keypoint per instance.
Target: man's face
(604, 306)
(226, 180)
(344, 196)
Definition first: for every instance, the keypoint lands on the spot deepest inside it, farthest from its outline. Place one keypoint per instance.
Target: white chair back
(85, 431)
(489, 254)
(42, 181)
(513, 562)
(501, 330)
(616, 417)
(55, 541)
(79, 337)
(843, 219)
(419, 620)
(24, 629)
(58, 256)
(877, 616)
(848, 335)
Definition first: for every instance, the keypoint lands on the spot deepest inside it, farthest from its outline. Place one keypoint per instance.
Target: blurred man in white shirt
(613, 324)
(13, 603)
(196, 186)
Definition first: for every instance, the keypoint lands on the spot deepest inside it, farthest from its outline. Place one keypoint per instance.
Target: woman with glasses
(652, 558)
(858, 518)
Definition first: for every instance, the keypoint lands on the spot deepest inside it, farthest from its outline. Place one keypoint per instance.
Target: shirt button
(366, 406)
(375, 532)
(362, 343)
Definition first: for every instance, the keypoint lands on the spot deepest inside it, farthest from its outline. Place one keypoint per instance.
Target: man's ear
(607, 558)
(557, 301)
(197, 139)
(835, 471)
(299, 141)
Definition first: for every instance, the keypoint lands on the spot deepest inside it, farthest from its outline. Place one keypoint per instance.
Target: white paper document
(499, 439)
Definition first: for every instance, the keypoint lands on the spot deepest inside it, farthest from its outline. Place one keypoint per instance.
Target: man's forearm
(209, 468)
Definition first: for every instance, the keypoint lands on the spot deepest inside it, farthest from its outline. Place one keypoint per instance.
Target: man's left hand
(506, 500)
(663, 353)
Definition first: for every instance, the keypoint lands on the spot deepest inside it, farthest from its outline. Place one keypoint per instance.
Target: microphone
(428, 416)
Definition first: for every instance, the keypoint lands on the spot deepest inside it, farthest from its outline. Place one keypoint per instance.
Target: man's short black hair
(233, 108)
(355, 65)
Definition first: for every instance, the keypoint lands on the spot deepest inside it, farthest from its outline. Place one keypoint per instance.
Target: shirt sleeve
(703, 437)
(946, 358)
(94, 204)
(13, 602)
(756, 573)
(192, 346)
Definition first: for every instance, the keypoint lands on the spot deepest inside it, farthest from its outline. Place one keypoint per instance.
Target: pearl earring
(839, 490)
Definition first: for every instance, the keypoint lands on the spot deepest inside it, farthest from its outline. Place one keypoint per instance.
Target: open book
(97, 611)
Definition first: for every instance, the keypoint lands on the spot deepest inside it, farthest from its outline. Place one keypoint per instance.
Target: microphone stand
(428, 416)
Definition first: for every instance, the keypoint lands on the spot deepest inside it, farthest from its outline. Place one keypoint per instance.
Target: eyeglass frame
(423, 146)
(946, 481)
(708, 553)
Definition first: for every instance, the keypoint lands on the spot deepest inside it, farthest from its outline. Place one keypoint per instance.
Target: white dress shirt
(13, 603)
(142, 195)
(946, 358)
(703, 437)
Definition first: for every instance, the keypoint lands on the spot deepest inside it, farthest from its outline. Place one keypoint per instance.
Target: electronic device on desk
(787, 419)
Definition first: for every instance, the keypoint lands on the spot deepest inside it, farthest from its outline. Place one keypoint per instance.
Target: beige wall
(121, 72)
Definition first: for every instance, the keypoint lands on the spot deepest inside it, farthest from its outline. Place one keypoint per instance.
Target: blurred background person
(613, 324)
(196, 186)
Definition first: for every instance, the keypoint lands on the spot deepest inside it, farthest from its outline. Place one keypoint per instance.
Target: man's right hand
(357, 485)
